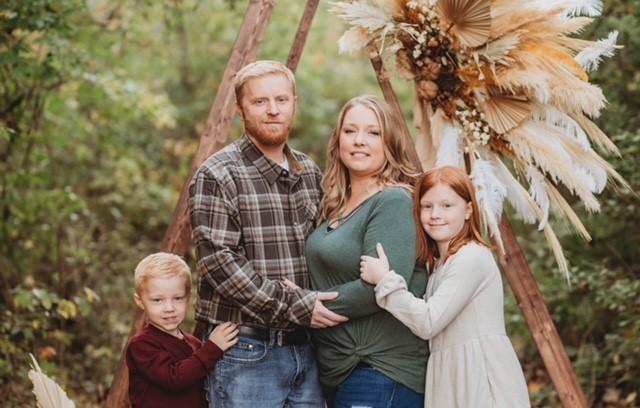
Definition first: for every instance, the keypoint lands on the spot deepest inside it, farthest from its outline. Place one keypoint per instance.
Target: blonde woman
(372, 360)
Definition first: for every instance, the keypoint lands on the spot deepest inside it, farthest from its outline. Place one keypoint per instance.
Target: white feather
(562, 123)
(449, 152)
(591, 56)
(534, 143)
(48, 393)
(353, 40)
(538, 190)
(533, 82)
(596, 135)
(516, 194)
(590, 8)
(490, 193)
(589, 167)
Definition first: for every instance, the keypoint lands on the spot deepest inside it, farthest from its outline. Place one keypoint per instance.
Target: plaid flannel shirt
(250, 218)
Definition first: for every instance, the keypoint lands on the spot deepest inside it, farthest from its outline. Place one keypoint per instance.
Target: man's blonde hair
(259, 69)
(159, 265)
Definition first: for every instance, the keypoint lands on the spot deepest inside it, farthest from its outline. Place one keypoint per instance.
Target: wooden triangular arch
(215, 136)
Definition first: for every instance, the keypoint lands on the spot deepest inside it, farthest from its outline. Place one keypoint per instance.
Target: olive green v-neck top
(372, 335)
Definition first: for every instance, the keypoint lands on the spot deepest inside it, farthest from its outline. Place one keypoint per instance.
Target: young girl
(472, 361)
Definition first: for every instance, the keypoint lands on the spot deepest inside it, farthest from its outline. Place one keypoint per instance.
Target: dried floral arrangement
(504, 84)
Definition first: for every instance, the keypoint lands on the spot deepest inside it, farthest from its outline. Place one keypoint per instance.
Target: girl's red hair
(459, 182)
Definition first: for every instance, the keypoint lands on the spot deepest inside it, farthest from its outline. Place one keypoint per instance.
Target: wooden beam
(529, 297)
(522, 281)
(390, 96)
(213, 138)
(219, 121)
(301, 35)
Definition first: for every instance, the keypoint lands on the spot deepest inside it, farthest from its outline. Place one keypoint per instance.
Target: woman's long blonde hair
(397, 169)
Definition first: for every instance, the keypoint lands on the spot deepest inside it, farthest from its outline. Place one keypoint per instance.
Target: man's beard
(264, 136)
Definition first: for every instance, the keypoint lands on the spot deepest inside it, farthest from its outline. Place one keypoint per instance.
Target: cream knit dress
(472, 362)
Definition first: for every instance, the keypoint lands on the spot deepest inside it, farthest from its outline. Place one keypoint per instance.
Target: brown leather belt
(296, 337)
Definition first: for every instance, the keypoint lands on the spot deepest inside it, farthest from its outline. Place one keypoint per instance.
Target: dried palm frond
(497, 51)
(48, 393)
(504, 112)
(469, 20)
(508, 83)
(361, 14)
(513, 17)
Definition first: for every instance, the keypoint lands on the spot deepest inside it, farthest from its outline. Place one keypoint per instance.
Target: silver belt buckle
(280, 337)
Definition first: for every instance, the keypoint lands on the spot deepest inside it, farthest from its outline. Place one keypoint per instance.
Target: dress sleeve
(160, 367)
(465, 273)
(391, 224)
(221, 261)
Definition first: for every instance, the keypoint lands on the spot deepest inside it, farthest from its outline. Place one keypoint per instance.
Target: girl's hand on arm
(372, 270)
(224, 335)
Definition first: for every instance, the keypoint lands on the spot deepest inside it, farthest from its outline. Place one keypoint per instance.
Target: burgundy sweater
(165, 371)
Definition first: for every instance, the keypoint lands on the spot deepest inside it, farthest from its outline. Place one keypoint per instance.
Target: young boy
(166, 366)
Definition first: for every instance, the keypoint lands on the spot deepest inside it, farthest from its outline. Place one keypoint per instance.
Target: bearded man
(252, 205)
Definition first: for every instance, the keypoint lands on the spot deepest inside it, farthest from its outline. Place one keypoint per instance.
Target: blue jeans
(256, 373)
(369, 388)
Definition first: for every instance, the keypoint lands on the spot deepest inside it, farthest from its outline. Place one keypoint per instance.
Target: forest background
(102, 103)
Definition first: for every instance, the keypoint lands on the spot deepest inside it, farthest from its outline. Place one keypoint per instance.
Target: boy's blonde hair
(161, 264)
(259, 69)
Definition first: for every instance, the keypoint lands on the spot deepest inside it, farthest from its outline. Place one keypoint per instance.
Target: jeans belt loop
(280, 337)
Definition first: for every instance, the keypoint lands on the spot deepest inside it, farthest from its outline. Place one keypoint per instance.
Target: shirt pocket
(307, 215)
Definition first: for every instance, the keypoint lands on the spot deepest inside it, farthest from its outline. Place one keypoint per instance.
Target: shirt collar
(267, 167)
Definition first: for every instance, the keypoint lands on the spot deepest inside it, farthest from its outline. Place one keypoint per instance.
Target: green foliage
(597, 315)
(101, 107)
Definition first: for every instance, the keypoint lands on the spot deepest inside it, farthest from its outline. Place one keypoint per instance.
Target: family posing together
(324, 289)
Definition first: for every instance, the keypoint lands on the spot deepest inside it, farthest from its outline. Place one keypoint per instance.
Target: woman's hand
(372, 270)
